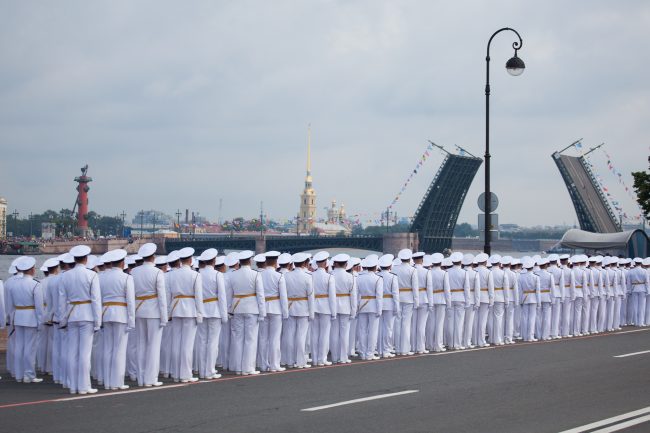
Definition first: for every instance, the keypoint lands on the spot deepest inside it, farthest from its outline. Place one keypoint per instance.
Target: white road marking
(128, 391)
(632, 354)
(360, 400)
(608, 421)
(623, 425)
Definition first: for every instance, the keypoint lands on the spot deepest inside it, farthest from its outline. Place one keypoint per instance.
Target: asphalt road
(528, 387)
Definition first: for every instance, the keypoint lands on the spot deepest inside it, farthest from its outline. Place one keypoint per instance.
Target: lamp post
(31, 220)
(515, 66)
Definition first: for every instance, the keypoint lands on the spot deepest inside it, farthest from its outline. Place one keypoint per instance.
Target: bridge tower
(82, 200)
(307, 214)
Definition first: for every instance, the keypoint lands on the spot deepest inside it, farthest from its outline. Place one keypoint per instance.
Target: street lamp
(515, 66)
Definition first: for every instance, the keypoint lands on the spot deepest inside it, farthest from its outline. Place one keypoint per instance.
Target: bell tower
(307, 214)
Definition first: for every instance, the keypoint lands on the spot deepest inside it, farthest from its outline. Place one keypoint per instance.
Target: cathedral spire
(309, 149)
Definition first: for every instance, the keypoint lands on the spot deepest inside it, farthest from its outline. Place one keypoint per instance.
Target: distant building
(3, 218)
(307, 213)
(152, 218)
(336, 215)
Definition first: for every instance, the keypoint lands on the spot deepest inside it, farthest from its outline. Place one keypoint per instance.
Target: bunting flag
(419, 164)
(618, 175)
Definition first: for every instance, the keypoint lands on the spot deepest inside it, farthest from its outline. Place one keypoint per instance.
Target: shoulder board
(393, 273)
(308, 273)
(257, 270)
(37, 280)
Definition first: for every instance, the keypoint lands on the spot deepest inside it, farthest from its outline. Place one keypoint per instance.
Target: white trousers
(243, 342)
(595, 315)
(618, 302)
(437, 318)
(609, 320)
(458, 324)
(545, 320)
(10, 351)
(404, 344)
(577, 316)
(115, 340)
(24, 352)
(640, 306)
(517, 321)
(509, 326)
(208, 333)
(79, 342)
(268, 349)
(224, 346)
(421, 314)
(565, 324)
(352, 342)
(132, 353)
(320, 337)
(97, 357)
(647, 310)
(368, 324)
(483, 311)
(528, 317)
(556, 315)
(498, 312)
(183, 335)
(57, 363)
(469, 333)
(340, 338)
(165, 351)
(296, 332)
(43, 356)
(385, 338)
(148, 335)
(586, 314)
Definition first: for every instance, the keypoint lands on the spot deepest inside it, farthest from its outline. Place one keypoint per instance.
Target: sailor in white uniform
(215, 310)
(167, 264)
(567, 301)
(511, 294)
(186, 312)
(151, 315)
(245, 287)
(409, 299)
(325, 310)
(486, 299)
(47, 330)
(118, 318)
(300, 295)
(277, 309)
(471, 310)
(390, 307)
(370, 298)
(81, 311)
(425, 295)
(461, 296)
(579, 281)
(501, 288)
(529, 293)
(441, 291)
(638, 280)
(25, 308)
(284, 266)
(346, 308)
(547, 288)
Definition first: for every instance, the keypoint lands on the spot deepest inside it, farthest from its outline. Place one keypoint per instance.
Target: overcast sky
(177, 104)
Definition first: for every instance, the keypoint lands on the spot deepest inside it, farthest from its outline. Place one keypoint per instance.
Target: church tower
(307, 215)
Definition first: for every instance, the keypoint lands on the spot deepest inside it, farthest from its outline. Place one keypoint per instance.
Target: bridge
(592, 207)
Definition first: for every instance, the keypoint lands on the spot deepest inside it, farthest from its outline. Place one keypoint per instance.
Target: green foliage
(642, 189)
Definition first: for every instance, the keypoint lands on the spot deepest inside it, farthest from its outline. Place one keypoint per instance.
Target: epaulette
(393, 273)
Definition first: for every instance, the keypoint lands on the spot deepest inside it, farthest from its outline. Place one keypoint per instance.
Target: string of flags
(411, 175)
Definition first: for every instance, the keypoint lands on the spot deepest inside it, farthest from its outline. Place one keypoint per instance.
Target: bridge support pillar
(393, 242)
(260, 245)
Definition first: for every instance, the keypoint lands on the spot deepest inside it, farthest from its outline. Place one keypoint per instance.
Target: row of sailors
(111, 316)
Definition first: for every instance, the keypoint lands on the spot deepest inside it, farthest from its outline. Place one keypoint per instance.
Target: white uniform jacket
(486, 281)
(370, 292)
(346, 292)
(246, 289)
(150, 294)
(408, 284)
(300, 293)
(558, 279)
(529, 288)
(186, 289)
(501, 284)
(324, 292)
(512, 292)
(118, 297)
(546, 285)
(80, 296)
(215, 304)
(425, 289)
(459, 285)
(25, 302)
(275, 292)
(391, 291)
(579, 282)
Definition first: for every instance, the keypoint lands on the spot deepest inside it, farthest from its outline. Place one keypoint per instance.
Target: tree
(464, 230)
(642, 189)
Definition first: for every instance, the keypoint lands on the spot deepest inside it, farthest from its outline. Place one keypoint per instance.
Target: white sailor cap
(68, 258)
(92, 262)
(61, 257)
(51, 263)
(427, 261)
(638, 260)
(232, 259)
(468, 259)
(516, 262)
(446, 262)
(245, 255)
(137, 258)
(160, 260)
(372, 261)
(419, 254)
(195, 263)
(104, 257)
(529, 264)
(645, 262)
(321, 255)
(554, 257)
(259, 258)
(593, 259)
(284, 259)
(80, 251)
(129, 260)
(115, 256)
(565, 257)
(542, 262)
(536, 257)
(12, 267)
(397, 262)
(219, 260)
(299, 257)
(355, 261)
(25, 263)
(148, 249)
(186, 253)
(272, 254)
(495, 259)
(437, 258)
(405, 254)
(208, 255)
(481, 258)
(341, 258)
(313, 265)
(583, 258)
(173, 256)
(456, 257)
(506, 260)
(42, 268)
(386, 260)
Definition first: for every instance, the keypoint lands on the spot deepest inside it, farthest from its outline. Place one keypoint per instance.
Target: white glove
(199, 320)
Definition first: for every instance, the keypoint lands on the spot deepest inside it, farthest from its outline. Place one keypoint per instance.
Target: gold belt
(144, 298)
(545, 291)
(80, 302)
(438, 291)
(25, 307)
(298, 299)
(578, 287)
(423, 289)
(322, 296)
(457, 290)
(405, 289)
(342, 295)
(388, 296)
(114, 304)
(272, 298)
(484, 290)
(498, 288)
(529, 291)
(206, 300)
(367, 297)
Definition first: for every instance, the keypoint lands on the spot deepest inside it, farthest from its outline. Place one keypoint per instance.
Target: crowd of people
(178, 316)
